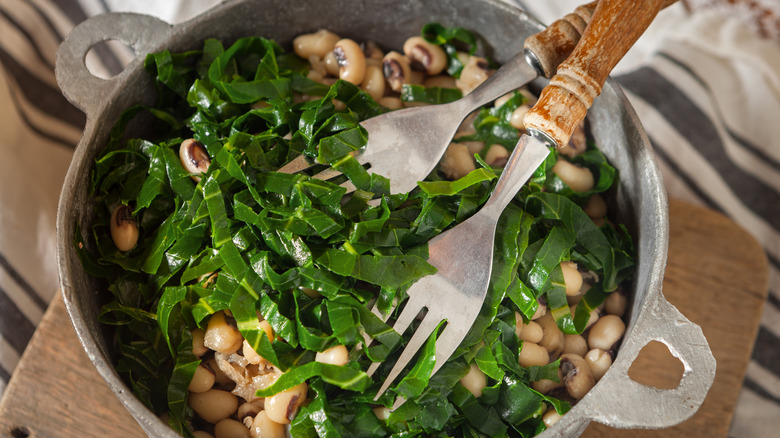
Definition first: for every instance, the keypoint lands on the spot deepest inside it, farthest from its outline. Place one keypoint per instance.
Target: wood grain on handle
(614, 28)
(553, 45)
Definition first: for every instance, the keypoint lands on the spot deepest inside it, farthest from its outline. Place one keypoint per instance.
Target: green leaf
(431, 95)
(345, 377)
(385, 271)
(413, 384)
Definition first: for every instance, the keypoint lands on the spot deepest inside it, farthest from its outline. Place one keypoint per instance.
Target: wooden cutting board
(713, 265)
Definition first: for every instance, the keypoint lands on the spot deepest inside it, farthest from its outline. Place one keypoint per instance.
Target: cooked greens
(270, 237)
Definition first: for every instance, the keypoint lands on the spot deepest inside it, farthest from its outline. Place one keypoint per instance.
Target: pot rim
(655, 319)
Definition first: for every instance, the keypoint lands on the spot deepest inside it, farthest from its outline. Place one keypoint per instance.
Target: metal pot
(640, 198)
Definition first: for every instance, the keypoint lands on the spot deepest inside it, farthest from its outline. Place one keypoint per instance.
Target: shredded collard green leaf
(249, 240)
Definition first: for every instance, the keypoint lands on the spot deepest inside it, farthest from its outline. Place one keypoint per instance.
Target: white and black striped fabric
(706, 87)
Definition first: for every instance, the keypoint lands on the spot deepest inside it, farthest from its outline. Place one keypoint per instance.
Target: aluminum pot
(640, 199)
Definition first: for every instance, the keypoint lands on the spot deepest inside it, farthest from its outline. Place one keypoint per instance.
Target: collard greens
(267, 235)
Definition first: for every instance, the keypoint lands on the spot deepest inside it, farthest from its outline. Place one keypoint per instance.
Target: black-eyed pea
(550, 417)
(606, 332)
(533, 354)
(457, 162)
(315, 76)
(373, 52)
(264, 427)
(516, 119)
(541, 310)
(318, 43)
(391, 102)
(529, 331)
(382, 412)
(571, 277)
(396, 69)
(575, 344)
(198, 348)
(424, 56)
(577, 376)
(530, 98)
(593, 318)
(230, 428)
(532, 332)
(474, 72)
(248, 411)
(194, 158)
(497, 156)
(374, 81)
(202, 380)
(498, 103)
(519, 323)
(546, 385)
(331, 64)
(337, 355)
(552, 339)
(213, 405)
(222, 334)
(352, 61)
(202, 434)
(616, 303)
(250, 354)
(318, 64)
(440, 81)
(124, 231)
(596, 207)
(579, 179)
(475, 381)
(265, 326)
(474, 146)
(599, 362)
(282, 407)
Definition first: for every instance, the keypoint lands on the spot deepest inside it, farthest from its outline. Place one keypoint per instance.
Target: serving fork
(463, 255)
(405, 145)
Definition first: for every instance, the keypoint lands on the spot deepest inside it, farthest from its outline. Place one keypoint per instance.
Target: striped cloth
(706, 86)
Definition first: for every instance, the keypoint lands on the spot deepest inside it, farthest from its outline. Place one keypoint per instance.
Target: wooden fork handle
(614, 28)
(553, 45)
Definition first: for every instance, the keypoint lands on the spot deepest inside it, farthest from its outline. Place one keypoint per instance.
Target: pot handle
(634, 405)
(143, 33)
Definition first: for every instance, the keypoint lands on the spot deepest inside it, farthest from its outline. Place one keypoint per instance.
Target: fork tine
(448, 341)
(383, 316)
(327, 174)
(296, 165)
(446, 344)
(406, 317)
(427, 326)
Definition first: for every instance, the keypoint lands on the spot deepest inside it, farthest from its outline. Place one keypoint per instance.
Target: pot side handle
(143, 33)
(634, 405)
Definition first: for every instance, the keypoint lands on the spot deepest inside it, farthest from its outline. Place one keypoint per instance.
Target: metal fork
(422, 133)
(463, 256)
(405, 145)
